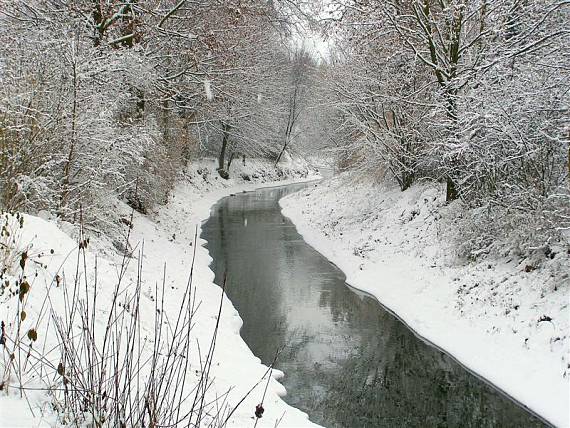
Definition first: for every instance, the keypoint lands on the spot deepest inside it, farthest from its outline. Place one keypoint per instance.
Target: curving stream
(347, 361)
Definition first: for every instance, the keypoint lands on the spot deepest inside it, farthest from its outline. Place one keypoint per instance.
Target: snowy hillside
(90, 288)
(507, 317)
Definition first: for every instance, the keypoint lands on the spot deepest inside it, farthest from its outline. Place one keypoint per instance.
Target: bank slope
(168, 239)
(508, 325)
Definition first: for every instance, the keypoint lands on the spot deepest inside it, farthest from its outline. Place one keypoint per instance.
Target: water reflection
(348, 363)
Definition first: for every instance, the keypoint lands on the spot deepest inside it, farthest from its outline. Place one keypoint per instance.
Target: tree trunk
(451, 192)
(408, 178)
(67, 169)
(281, 153)
(444, 80)
(293, 115)
(221, 159)
(230, 161)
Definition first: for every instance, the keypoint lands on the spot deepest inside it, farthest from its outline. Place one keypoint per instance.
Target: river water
(347, 361)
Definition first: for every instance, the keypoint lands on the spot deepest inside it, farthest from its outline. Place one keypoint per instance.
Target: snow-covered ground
(506, 321)
(168, 239)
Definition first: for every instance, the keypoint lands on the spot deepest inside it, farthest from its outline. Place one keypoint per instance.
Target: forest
(109, 97)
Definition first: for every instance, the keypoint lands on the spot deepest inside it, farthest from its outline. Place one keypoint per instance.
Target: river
(347, 361)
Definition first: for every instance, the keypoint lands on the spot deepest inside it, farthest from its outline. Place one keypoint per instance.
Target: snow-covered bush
(10, 226)
(78, 332)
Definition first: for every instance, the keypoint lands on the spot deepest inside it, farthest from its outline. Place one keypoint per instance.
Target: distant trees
(241, 106)
(296, 93)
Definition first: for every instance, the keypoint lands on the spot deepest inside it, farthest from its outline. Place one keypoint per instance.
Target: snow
(394, 245)
(208, 90)
(167, 236)
(486, 313)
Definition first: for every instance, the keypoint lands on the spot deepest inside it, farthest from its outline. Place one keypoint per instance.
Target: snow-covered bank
(167, 237)
(507, 322)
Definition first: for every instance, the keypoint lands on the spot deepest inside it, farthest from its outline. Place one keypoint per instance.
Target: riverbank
(504, 321)
(166, 239)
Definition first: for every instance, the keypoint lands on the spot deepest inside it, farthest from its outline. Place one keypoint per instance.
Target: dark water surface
(347, 361)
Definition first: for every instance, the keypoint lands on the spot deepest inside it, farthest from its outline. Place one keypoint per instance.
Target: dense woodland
(474, 94)
(109, 97)
(106, 97)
